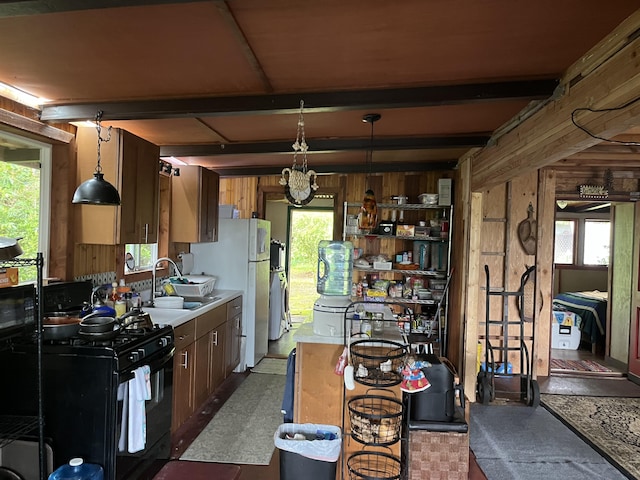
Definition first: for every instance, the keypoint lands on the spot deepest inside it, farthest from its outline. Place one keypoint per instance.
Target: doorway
(582, 308)
(306, 226)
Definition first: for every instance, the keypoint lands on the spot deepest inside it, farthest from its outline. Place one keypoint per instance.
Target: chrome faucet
(153, 275)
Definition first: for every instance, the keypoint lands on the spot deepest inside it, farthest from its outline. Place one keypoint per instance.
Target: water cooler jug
(335, 273)
(335, 268)
(76, 469)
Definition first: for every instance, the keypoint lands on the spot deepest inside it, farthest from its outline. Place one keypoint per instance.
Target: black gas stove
(83, 381)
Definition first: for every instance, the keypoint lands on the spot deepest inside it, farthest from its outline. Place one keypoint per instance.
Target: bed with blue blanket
(591, 307)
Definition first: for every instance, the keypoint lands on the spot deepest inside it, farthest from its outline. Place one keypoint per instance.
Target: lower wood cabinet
(234, 335)
(207, 351)
(183, 374)
(210, 341)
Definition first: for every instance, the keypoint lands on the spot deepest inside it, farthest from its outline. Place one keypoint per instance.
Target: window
(25, 173)
(564, 242)
(141, 256)
(582, 241)
(596, 242)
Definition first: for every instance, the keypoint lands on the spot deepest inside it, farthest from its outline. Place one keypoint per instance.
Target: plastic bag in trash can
(312, 446)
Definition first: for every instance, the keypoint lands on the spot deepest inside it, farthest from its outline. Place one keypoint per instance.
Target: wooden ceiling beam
(21, 8)
(314, 102)
(336, 169)
(326, 145)
(549, 135)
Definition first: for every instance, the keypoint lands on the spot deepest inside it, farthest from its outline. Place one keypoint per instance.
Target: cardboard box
(227, 211)
(405, 230)
(8, 277)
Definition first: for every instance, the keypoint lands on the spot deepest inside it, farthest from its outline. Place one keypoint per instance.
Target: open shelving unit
(442, 272)
(12, 427)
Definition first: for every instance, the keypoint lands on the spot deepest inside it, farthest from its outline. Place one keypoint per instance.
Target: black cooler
(438, 402)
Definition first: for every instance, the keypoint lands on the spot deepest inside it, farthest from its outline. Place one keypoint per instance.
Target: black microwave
(17, 310)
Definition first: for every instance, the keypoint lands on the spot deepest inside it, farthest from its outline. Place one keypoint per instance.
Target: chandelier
(299, 182)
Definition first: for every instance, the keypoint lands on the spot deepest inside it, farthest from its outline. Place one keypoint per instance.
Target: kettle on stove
(97, 304)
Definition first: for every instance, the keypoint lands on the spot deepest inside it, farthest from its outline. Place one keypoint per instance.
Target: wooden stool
(176, 470)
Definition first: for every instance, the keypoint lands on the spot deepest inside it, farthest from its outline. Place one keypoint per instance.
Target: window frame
(580, 219)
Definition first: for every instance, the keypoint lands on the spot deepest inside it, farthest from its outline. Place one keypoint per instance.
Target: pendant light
(97, 191)
(368, 217)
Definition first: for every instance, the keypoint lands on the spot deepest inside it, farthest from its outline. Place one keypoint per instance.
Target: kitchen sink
(192, 303)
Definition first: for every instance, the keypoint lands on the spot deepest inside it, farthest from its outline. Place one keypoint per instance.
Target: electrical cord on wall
(600, 110)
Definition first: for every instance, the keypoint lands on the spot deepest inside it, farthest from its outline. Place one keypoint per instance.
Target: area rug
(273, 366)
(610, 424)
(242, 431)
(578, 365)
(519, 442)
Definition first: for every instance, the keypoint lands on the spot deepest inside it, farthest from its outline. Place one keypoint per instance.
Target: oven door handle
(155, 364)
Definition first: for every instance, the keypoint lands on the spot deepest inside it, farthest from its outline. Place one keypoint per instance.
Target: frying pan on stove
(60, 325)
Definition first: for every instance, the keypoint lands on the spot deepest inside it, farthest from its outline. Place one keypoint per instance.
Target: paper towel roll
(187, 262)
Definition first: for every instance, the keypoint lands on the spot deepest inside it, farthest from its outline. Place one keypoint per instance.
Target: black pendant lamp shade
(97, 191)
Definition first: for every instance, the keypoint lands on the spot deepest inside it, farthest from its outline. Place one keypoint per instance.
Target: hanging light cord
(100, 139)
(300, 144)
(369, 158)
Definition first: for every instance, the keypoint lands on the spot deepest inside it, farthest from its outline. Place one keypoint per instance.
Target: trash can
(308, 450)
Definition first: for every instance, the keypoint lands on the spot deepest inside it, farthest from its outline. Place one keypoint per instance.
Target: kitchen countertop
(176, 317)
(305, 334)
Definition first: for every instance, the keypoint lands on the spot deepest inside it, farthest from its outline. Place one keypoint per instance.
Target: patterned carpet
(578, 365)
(611, 425)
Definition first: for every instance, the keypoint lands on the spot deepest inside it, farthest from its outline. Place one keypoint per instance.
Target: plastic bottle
(76, 469)
(335, 267)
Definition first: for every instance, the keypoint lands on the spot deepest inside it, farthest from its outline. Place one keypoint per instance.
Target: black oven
(17, 310)
(83, 410)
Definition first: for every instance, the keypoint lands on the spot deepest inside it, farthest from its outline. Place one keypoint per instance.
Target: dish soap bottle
(76, 469)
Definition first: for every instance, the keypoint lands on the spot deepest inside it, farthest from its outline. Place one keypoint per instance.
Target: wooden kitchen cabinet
(194, 205)
(131, 165)
(210, 331)
(207, 351)
(183, 374)
(234, 335)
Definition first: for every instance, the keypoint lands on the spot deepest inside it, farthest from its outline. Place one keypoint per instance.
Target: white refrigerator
(240, 261)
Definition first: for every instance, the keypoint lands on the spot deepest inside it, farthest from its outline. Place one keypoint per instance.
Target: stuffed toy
(414, 380)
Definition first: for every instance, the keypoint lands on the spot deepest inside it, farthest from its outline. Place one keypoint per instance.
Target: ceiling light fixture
(97, 191)
(299, 183)
(368, 217)
(562, 203)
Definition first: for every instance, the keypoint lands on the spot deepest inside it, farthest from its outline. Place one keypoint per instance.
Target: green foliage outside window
(20, 210)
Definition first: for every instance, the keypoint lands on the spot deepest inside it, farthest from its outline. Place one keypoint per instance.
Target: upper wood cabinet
(194, 205)
(131, 165)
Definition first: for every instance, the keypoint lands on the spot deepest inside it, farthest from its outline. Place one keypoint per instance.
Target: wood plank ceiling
(218, 83)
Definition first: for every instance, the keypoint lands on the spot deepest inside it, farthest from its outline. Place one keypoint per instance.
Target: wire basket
(374, 466)
(377, 363)
(375, 419)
